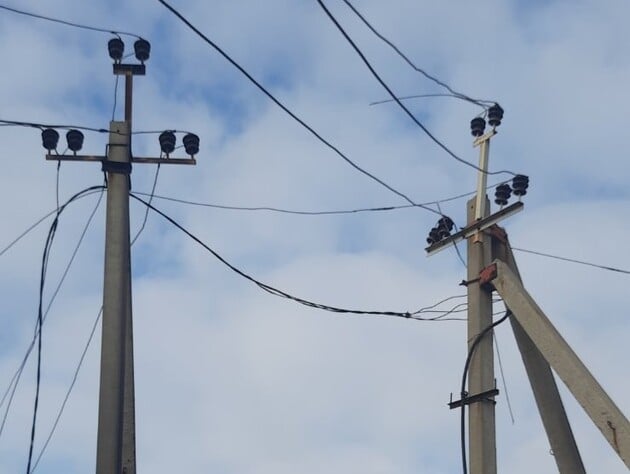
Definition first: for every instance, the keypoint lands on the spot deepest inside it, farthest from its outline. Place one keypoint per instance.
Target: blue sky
(231, 379)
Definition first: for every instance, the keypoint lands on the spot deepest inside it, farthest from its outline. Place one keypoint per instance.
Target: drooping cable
(40, 319)
(453, 93)
(68, 392)
(13, 384)
(463, 392)
(34, 225)
(146, 213)
(68, 23)
(400, 104)
(272, 290)
(413, 96)
(276, 101)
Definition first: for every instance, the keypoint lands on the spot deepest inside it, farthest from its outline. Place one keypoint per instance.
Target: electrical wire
(41, 126)
(453, 93)
(503, 379)
(115, 97)
(414, 96)
(41, 315)
(275, 291)
(463, 392)
(146, 213)
(68, 23)
(400, 104)
(35, 224)
(68, 392)
(285, 108)
(572, 260)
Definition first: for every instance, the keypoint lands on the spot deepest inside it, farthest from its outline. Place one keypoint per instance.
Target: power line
(414, 96)
(12, 387)
(69, 391)
(36, 223)
(41, 126)
(572, 260)
(115, 97)
(304, 212)
(68, 23)
(285, 108)
(453, 93)
(146, 214)
(275, 291)
(503, 379)
(400, 104)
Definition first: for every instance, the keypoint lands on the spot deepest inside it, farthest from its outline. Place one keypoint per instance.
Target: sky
(230, 379)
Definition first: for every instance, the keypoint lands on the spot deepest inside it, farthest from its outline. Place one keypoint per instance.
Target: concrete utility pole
(116, 300)
(116, 447)
(541, 346)
(481, 416)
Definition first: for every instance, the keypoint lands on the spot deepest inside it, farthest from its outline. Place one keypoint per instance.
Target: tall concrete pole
(115, 303)
(129, 403)
(481, 416)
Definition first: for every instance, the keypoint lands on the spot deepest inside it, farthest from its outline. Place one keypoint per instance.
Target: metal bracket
(118, 167)
(480, 397)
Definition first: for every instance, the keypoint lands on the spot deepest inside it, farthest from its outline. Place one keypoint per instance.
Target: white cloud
(231, 379)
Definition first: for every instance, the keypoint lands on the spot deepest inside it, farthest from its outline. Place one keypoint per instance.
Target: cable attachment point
(487, 396)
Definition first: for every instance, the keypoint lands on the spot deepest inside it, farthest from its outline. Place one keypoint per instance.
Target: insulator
(446, 222)
(116, 49)
(443, 232)
(430, 240)
(477, 126)
(142, 48)
(75, 140)
(495, 115)
(520, 183)
(167, 142)
(434, 235)
(191, 144)
(50, 138)
(502, 193)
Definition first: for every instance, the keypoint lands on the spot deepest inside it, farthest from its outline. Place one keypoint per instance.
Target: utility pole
(116, 448)
(481, 416)
(541, 346)
(481, 389)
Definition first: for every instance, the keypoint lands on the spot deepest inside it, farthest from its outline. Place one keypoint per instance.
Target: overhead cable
(572, 260)
(276, 101)
(275, 291)
(453, 93)
(400, 104)
(68, 23)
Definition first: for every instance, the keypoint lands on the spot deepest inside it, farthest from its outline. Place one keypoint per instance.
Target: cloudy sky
(230, 379)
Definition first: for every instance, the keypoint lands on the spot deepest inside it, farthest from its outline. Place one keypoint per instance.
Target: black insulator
(434, 235)
(520, 183)
(430, 240)
(191, 144)
(477, 126)
(446, 222)
(502, 194)
(167, 142)
(75, 140)
(116, 49)
(443, 232)
(142, 48)
(495, 115)
(50, 138)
